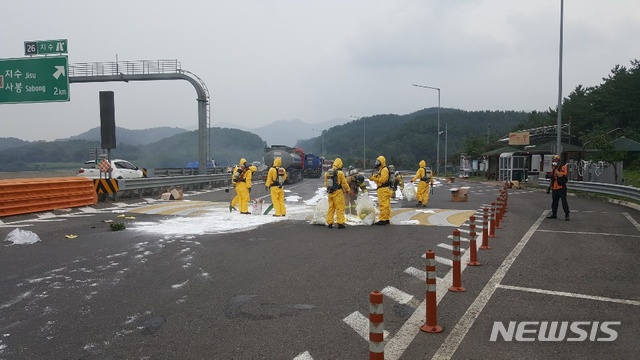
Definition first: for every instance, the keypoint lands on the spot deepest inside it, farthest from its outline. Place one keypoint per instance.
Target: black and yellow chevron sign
(105, 186)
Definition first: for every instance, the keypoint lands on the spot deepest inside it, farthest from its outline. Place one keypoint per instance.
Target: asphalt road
(291, 290)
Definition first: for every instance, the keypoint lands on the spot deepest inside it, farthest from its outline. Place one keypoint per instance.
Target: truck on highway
(312, 166)
(292, 160)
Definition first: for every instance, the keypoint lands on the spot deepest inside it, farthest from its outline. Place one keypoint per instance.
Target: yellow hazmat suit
(236, 198)
(426, 181)
(381, 178)
(275, 180)
(243, 186)
(337, 186)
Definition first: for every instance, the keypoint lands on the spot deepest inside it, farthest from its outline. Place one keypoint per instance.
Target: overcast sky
(317, 60)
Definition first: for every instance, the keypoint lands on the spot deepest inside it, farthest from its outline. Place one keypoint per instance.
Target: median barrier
(22, 196)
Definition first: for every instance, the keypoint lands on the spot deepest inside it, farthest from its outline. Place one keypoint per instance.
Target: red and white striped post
(492, 225)
(473, 257)
(498, 211)
(504, 204)
(457, 266)
(485, 229)
(376, 326)
(431, 325)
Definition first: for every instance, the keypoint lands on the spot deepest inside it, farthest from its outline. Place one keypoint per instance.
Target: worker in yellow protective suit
(276, 177)
(234, 174)
(381, 178)
(337, 186)
(426, 182)
(243, 185)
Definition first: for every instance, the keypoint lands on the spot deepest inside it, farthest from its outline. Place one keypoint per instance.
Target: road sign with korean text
(43, 47)
(34, 79)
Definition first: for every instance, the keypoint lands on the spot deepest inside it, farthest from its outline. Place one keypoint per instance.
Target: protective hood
(422, 163)
(242, 162)
(253, 168)
(382, 160)
(337, 163)
(277, 162)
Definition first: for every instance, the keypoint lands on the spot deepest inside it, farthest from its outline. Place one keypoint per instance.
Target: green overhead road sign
(37, 79)
(43, 47)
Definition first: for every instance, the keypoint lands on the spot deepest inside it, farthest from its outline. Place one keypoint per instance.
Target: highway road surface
(190, 280)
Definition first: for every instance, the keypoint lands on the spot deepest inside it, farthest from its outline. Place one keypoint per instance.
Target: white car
(120, 169)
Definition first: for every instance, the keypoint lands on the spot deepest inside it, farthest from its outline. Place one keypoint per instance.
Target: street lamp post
(364, 140)
(322, 141)
(438, 143)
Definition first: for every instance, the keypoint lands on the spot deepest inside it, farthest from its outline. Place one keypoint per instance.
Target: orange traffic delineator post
(376, 326)
(431, 324)
(492, 225)
(496, 211)
(473, 257)
(457, 266)
(485, 229)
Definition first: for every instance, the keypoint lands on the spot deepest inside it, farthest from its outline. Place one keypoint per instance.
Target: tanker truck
(312, 166)
(292, 160)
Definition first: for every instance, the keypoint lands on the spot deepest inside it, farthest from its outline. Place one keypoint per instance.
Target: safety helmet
(350, 167)
(360, 178)
(353, 171)
(555, 158)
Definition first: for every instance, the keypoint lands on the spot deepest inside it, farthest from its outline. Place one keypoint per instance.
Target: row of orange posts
(491, 218)
(22, 196)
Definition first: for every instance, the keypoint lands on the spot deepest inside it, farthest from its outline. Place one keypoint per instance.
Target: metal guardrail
(625, 191)
(217, 180)
(166, 182)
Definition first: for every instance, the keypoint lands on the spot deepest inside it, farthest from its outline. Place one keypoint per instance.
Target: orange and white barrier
(473, 249)
(376, 326)
(431, 324)
(457, 266)
(492, 225)
(485, 229)
(23, 196)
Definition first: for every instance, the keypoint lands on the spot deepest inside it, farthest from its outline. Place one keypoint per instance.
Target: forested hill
(406, 139)
(227, 147)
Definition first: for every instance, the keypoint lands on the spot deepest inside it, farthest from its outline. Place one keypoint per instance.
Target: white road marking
(420, 274)
(450, 247)
(444, 261)
(304, 356)
(360, 324)
(588, 233)
(400, 296)
(573, 295)
(635, 223)
(451, 343)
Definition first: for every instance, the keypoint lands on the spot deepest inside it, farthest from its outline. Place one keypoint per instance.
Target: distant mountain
(11, 142)
(132, 137)
(288, 132)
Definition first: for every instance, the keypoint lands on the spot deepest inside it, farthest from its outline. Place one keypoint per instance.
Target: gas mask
(377, 164)
(554, 164)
